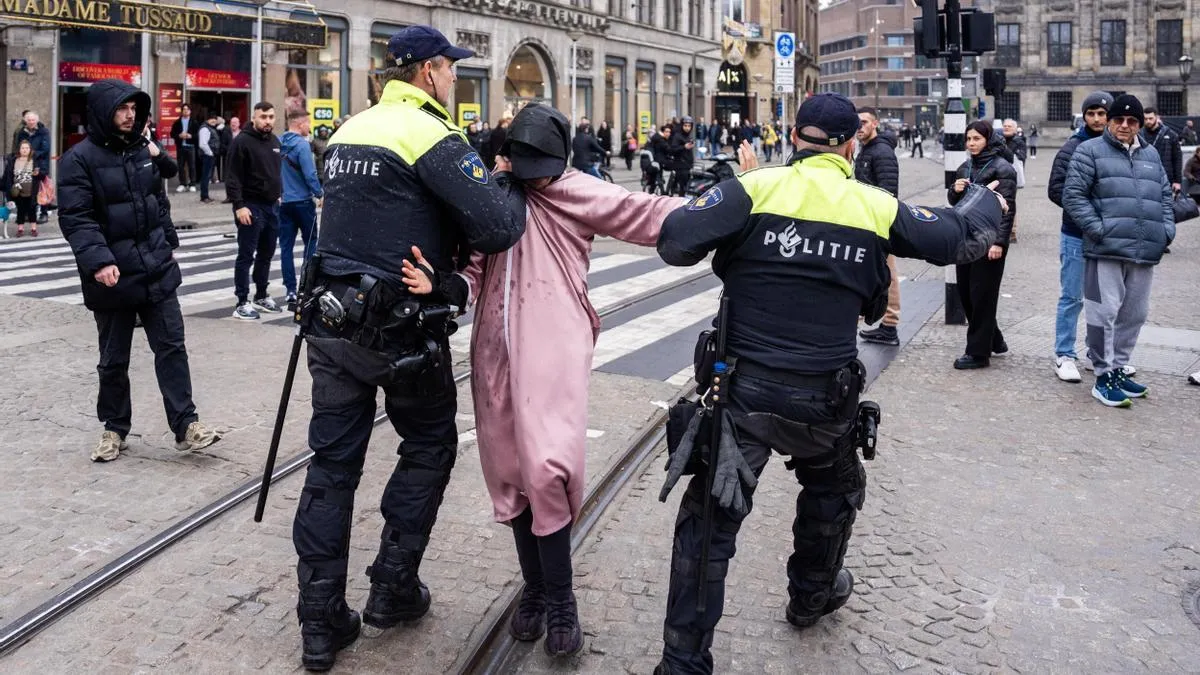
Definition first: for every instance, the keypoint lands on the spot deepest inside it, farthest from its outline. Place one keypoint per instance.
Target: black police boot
(662, 669)
(327, 624)
(805, 610)
(968, 362)
(529, 621)
(397, 594)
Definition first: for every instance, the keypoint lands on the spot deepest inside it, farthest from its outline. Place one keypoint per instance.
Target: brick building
(866, 53)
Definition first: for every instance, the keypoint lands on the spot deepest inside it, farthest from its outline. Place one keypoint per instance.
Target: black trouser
(918, 147)
(825, 511)
(206, 171)
(163, 323)
(187, 165)
(256, 247)
(345, 379)
(679, 180)
(979, 290)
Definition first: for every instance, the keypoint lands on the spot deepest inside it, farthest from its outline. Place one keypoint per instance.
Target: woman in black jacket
(979, 282)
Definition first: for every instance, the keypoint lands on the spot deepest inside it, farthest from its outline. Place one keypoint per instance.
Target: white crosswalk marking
(651, 327)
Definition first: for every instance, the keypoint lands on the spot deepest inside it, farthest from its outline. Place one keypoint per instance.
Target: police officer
(802, 251)
(398, 175)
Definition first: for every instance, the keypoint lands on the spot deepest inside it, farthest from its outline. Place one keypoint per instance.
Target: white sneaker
(181, 188)
(245, 312)
(110, 447)
(1065, 369)
(191, 188)
(197, 437)
(1194, 378)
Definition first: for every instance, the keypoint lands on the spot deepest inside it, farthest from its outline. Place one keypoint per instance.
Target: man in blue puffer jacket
(1118, 194)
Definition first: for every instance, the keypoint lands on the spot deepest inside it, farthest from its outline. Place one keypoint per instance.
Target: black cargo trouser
(345, 379)
(163, 322)
(833, 491)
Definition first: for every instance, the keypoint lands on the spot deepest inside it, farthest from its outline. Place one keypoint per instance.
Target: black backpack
(214, 139)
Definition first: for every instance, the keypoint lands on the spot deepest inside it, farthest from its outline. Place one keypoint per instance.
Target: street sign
(785, 45)
(785, 61)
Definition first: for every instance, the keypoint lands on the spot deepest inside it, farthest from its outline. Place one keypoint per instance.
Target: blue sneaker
(1108, 392)
(1129, 387)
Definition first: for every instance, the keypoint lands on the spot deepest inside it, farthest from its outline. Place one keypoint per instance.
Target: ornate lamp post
(574, 35)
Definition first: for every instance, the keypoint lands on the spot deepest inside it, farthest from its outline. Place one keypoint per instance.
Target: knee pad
(821, 535)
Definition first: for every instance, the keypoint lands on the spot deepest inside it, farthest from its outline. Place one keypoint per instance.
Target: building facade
(1056, 52)
(867, 53)
(746, 86)
(635, 60)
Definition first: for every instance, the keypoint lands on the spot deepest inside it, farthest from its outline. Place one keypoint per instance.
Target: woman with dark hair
(531, 356)
(979, 282)
(20, 184)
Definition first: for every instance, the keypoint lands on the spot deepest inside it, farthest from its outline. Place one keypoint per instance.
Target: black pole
(280, 414)
(954, 142)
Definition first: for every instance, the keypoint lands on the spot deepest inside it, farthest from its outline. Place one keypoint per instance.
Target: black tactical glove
(682, 455)
(731, 472)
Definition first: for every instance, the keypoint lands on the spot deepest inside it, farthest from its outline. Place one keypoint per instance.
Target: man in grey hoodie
(1118, 194)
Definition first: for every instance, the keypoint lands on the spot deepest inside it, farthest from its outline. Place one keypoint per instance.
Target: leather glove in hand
(731, 472)
(682, 455)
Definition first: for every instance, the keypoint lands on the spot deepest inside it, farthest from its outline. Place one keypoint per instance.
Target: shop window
(614, 91)
(471, 95)
(318, 73)
(378, 58)
(89, 45)
(672, 94)
(644, 101)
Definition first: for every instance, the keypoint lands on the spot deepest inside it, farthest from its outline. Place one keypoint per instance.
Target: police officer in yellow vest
(802, 251)
(398, 175)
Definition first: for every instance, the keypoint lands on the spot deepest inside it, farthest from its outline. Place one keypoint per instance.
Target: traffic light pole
(954, 141)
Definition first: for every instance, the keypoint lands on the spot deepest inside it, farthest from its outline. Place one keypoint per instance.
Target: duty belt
(784, 377)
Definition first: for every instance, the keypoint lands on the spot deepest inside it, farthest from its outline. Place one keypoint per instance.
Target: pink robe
(533, 338)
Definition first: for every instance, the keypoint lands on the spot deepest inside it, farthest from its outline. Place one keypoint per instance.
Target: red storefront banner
(170, 104)
(217, 79)
(71, 71)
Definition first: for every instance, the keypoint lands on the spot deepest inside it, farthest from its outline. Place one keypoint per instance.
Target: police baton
(717, 392)
(307, 278)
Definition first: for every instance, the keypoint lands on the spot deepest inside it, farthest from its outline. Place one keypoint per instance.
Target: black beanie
(1127, 105)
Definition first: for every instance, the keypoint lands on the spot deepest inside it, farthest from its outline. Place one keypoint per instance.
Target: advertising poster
(322, 112)
(170, 102)
(467, 113)
(72, 72)
(644, 125)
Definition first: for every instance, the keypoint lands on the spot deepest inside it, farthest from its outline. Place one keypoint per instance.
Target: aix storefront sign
(158, 18)
(731, 79)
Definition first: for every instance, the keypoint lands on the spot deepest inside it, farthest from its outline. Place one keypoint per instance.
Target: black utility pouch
(704, 358)
(678, 418)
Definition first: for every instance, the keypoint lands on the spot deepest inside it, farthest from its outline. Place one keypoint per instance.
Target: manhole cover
(1191, 603)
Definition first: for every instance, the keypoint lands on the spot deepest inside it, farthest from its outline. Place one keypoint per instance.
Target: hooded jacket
(1121, 200)
(876, 164)
(300, 180)
(252, 174)
(1058, 176)
(112, 209)
(992, 165)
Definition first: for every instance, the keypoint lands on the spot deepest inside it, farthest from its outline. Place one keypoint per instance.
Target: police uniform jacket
(802, 250)
(401, 174)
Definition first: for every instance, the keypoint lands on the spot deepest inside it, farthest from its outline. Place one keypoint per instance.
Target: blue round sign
(785, 46)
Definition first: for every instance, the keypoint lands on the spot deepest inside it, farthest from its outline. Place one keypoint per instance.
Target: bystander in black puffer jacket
(991, 165)
(876, 164)
(112, 209)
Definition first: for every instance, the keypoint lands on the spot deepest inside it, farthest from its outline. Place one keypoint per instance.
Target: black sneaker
(968, 362)
(564, 637)
(529, 621)
(884, 335)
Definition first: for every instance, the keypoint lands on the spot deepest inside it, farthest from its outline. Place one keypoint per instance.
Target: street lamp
(574, 35)
(875, 31)
(1185, 72)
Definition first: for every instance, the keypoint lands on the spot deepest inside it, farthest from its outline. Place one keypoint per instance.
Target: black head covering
(538, 142)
